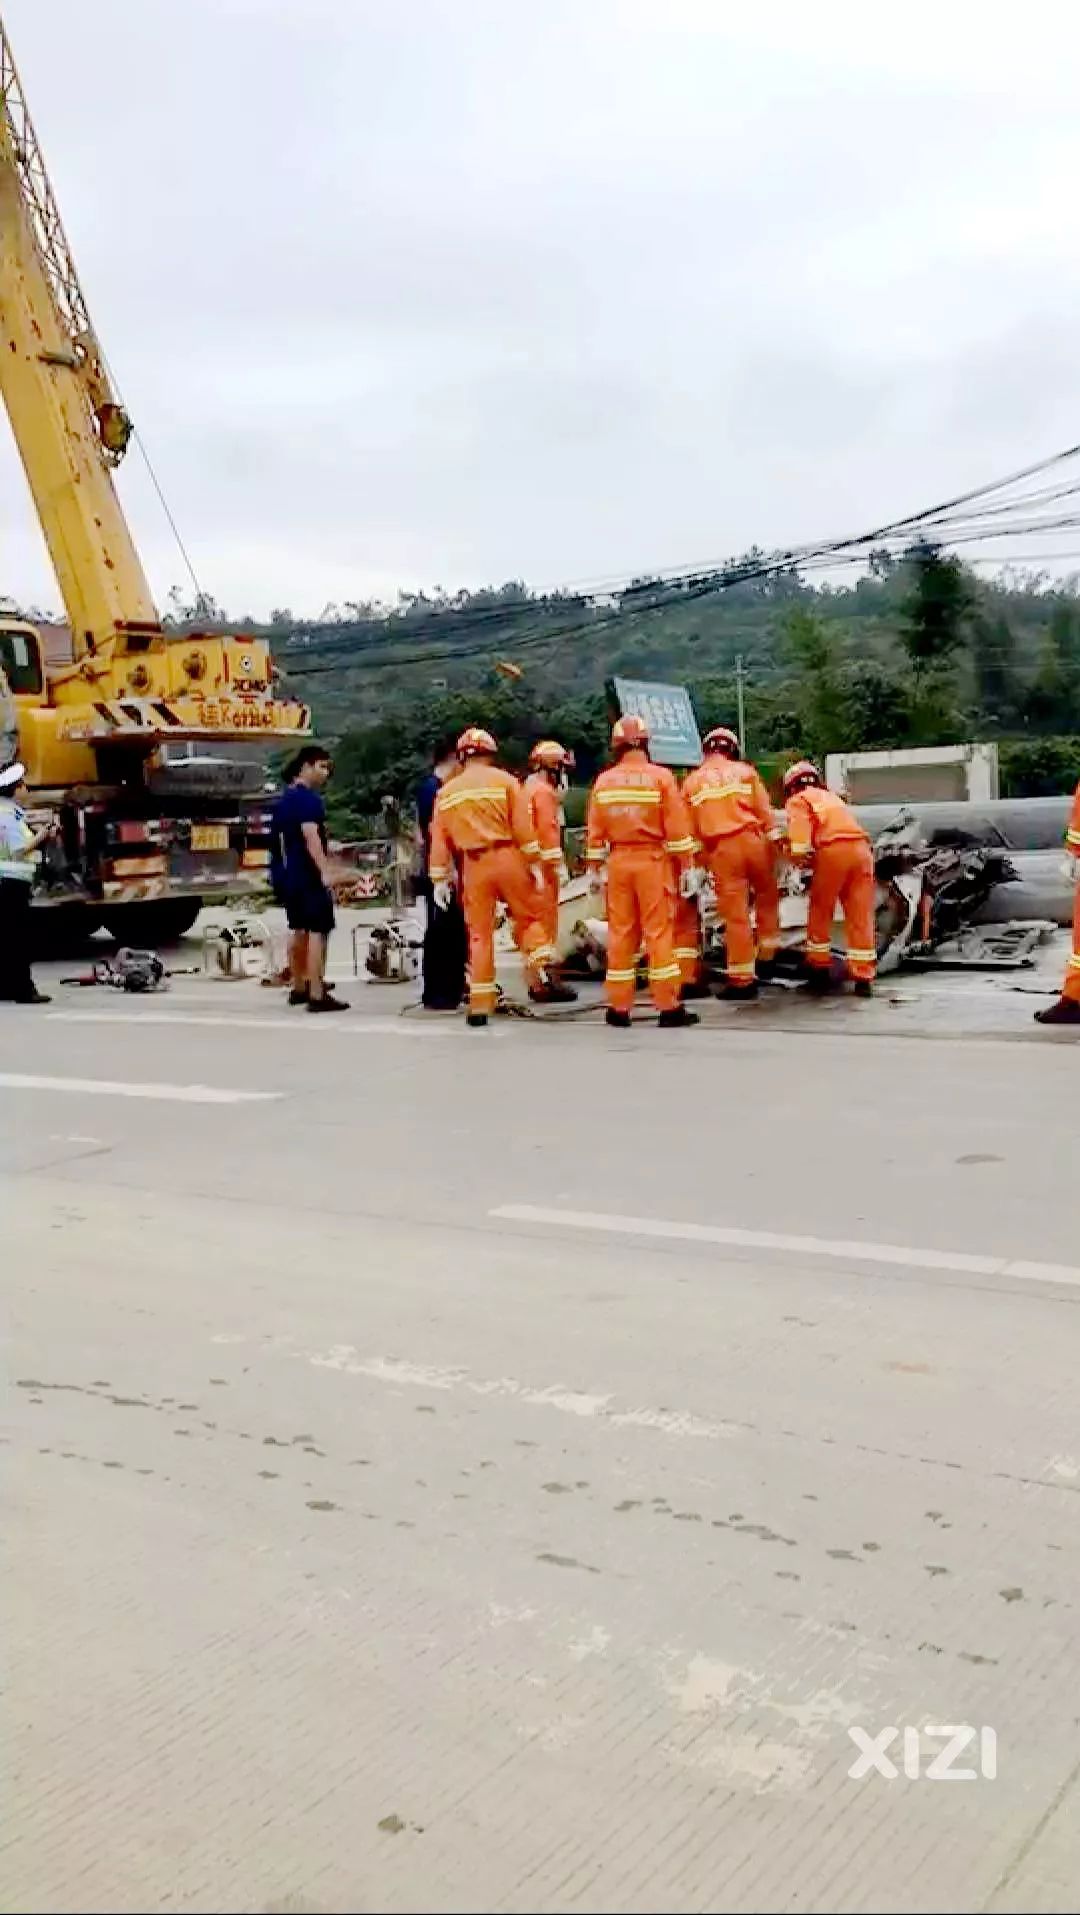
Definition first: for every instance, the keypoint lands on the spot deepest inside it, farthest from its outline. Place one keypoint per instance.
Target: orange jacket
(726, 796)
(636, 802)
(1072, 836)
(547, 816)
(816, 817)
(483, 806)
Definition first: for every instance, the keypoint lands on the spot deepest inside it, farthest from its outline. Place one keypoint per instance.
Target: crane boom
(130, 684)
(68, 424)
(40, 201)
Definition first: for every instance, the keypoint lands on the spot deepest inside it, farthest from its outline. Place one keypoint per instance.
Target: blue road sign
(669, 714)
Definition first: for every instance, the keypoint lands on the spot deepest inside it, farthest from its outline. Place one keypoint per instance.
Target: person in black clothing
(445, 942)
(300, 875)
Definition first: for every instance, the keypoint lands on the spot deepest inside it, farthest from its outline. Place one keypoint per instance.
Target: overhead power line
(382, 651)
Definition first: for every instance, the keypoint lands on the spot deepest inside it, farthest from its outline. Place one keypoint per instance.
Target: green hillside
(918, 651)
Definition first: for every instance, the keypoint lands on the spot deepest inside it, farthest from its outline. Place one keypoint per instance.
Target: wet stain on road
(566, 1562)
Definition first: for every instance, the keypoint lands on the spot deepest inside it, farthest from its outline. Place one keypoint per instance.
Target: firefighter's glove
(443, 894)
(692, 882)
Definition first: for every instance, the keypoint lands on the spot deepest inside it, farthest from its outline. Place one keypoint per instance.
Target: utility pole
(740, 701)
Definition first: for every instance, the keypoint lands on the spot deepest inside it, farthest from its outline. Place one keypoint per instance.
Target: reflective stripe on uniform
(1073, 837)
(800, 850)
(678, 847)
(859, 957)
(740, 970)
(1073, 964)
(447, 799)
(551, 857)
(627, 795)
(621, 977)
(821, 949)
(686, 951)
(663, 972)
(530, 850)
(596, 854)
(706, 792)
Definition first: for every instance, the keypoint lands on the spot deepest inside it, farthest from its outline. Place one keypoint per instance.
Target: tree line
(919, 651)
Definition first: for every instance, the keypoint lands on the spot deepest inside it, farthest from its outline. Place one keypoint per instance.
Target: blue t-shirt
(293, 868)
(426, 793)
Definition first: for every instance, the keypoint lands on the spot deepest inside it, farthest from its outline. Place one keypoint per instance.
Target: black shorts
(310, 910)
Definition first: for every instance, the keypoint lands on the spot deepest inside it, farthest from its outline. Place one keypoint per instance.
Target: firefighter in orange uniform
(1067, 1008)
(549, 767)
(686, 929)
(732, 816)
(482, 818)
(823, 832)
(638, 824)
(686, 933)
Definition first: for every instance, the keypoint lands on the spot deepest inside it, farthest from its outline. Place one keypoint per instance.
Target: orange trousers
(500, 871)
(743, 868)
(1071, 986)
(547, 904)
(843, 875)
(686, 931)
(640, 901)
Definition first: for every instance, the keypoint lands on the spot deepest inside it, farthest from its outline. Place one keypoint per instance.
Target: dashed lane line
(905, 1255)
(345, 1026)
(163, 1093)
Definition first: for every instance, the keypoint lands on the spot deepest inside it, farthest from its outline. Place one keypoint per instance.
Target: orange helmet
(800, 774)
(473, 740)
(548, 755)
(629, 733)
(720, 738)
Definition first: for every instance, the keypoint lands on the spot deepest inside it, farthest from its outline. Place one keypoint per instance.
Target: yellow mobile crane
(143, 839)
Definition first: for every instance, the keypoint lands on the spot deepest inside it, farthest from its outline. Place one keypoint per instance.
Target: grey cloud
(460, 291)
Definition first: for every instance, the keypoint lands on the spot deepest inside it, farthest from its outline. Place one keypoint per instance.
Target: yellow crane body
(94, 729)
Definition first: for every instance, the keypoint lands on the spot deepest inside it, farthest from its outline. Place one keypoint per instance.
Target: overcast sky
(405, 292)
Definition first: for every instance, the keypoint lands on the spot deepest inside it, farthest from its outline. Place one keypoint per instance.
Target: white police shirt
(16, 839)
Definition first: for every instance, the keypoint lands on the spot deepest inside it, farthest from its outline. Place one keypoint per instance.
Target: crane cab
(21, 661)
(51, 759)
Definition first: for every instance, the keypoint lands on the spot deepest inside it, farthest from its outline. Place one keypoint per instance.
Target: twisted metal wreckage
(934, 880)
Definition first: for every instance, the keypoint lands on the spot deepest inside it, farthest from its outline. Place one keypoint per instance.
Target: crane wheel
(145, 926)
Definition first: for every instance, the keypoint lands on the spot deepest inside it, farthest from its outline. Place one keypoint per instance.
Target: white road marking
(966, 1263)
(344, 1027)
(400, 1373)
(166, 1093)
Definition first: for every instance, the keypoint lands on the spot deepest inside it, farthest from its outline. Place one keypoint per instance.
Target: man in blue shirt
(300, 874)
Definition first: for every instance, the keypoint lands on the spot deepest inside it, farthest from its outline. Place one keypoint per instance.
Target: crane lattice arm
(68, 423)
(43, 215)
(128, 687)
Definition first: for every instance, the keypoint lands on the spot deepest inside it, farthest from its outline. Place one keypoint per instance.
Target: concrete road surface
(531, 1470)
